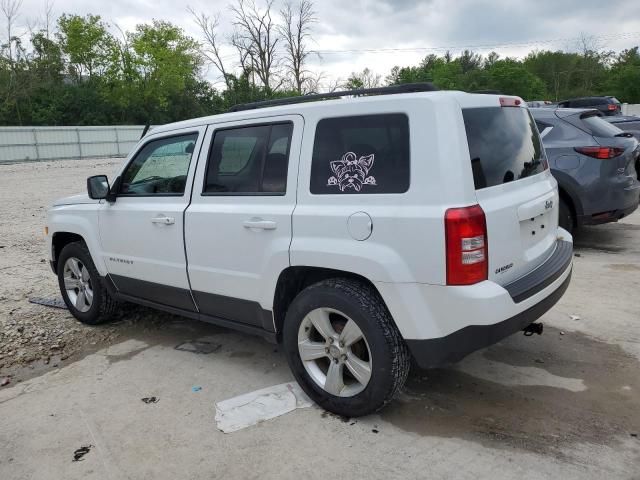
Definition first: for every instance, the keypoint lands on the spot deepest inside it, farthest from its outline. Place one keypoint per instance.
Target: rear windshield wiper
(624, 134)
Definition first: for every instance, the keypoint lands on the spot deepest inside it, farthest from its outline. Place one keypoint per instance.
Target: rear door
(514, 188)
(238, 225)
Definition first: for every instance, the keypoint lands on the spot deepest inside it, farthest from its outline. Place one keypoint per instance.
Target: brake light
(603, 153)
(510, 102)
(612, 106)
(466, 242)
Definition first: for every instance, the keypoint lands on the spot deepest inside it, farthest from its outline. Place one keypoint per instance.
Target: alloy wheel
(77, 284)
(335, 352)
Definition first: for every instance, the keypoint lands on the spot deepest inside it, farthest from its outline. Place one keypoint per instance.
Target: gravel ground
(32, 337)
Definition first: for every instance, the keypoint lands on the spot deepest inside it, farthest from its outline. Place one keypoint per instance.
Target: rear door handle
(163, 220)
(260, 223)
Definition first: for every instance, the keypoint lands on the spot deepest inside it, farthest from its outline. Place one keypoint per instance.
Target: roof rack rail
(402, 88)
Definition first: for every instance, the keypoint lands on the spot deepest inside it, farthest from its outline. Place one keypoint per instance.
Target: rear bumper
(442, 324)
(616, 199)
(437, 352)
(612, 215)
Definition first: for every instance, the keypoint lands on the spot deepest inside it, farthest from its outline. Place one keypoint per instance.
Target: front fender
(82, 220)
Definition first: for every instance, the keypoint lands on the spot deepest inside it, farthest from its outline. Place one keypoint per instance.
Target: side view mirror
(98, 187)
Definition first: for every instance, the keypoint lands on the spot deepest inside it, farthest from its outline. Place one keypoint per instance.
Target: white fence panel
(20, 144)
(631, 109)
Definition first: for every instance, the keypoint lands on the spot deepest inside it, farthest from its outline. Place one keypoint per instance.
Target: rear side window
(598, 127)
(251, 160)
(504, 145)
(361, 154)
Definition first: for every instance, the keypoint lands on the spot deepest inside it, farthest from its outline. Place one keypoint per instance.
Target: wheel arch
(292, 280)
(568, 193)
(58, 241)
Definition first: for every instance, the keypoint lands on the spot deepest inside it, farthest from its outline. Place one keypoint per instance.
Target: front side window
(160, 167)
(249, 160)
(361, 155)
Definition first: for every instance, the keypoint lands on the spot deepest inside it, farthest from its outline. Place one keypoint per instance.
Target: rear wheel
(343, 347)
(81, 287)
(565, 218)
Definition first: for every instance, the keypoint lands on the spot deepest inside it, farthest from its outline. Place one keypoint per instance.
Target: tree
(296, 31)
(511, 77)
(469, 61)
(624, 76)
(47, 63)
(13, 61)
(86, 43)
(10, 9)
(364, 79)
(168, 62)
(256, 39)
(211, 51)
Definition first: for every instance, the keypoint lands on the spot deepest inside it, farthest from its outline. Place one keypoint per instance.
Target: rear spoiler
(583, 112)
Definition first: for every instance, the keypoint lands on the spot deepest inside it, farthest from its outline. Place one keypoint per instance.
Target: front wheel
(343, 347)
(81, 287)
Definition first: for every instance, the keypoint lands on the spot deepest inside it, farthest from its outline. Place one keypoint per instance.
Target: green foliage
(540, 75)
(624, 80)
(85, 75)
(511, 77)
(167, 64)
(364, 79)
(86, 43)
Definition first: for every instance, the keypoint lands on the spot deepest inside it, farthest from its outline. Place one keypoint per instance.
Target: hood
(74, 200)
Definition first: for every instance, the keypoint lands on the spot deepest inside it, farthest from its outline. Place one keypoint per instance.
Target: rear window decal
(352, 172)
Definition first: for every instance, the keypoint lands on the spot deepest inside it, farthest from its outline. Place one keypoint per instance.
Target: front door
(238, 226)
(142, 231)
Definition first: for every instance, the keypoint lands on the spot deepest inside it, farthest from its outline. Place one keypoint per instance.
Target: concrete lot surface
(562, 405)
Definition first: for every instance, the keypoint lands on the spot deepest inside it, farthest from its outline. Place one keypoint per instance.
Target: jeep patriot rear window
(504, 145)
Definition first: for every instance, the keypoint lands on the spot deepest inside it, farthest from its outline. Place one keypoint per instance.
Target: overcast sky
(415, 27)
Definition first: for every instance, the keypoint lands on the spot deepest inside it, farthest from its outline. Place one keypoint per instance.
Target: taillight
(466, 240)
(603, 153)
(612, 106)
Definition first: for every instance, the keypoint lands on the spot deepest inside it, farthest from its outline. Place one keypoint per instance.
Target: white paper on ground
(254, 407)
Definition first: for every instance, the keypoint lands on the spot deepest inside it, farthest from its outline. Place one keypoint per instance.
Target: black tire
(565, 218)
(389, 354)
(103, 305)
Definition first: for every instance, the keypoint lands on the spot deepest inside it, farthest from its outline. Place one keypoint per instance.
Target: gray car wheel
(344, 348)
(81, 287)
(77, 284)
(334, 352)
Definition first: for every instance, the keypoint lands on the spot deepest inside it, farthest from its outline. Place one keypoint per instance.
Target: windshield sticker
(352, 172)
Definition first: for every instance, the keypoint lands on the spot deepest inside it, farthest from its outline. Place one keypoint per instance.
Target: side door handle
(163, 220)
(260, 223)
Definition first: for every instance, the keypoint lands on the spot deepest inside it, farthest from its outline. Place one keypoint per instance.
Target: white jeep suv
(358, 232)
